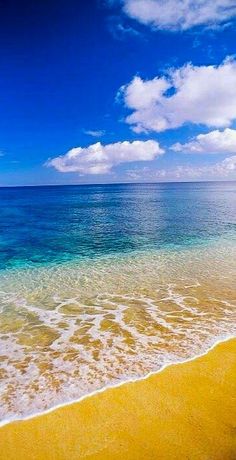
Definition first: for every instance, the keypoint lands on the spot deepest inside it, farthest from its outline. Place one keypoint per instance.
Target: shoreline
(127, 381)
(182, 409)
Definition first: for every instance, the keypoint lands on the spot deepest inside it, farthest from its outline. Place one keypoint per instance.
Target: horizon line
(119, 183)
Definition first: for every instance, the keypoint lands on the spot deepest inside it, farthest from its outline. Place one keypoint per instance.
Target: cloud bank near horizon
(223, 170)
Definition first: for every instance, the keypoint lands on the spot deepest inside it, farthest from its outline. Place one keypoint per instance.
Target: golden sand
(188, 411)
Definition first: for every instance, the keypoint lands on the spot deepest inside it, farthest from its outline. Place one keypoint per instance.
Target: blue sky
(139, 79)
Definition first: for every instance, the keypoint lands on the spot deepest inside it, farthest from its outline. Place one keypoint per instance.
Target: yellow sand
(188, 411)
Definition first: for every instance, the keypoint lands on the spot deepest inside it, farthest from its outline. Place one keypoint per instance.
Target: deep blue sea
(106, 283)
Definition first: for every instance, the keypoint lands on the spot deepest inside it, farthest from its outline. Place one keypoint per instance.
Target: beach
(186, 411)
(118, 230)
(110, 316)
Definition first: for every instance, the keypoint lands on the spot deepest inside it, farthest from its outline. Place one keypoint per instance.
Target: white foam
(117, 385)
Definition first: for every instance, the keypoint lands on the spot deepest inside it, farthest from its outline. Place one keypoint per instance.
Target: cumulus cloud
(180, 14)
(213, 142)
(225, 169)
(190, 94)
(100, 159)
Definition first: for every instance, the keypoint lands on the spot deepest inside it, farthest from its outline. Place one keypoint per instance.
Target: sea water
(106, 283)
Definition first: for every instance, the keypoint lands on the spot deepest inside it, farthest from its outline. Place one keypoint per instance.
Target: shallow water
(102, 284)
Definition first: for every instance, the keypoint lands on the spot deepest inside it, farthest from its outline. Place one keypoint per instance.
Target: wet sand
(187, 411)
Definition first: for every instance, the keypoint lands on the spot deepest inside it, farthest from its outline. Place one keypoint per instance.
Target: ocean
(101, 284)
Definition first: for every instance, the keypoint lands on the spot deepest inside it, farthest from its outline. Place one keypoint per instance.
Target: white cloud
(180, 14)
(213, 142)
(94, 132)
(227, 166)
(225, 169)
(100, 159)
(191, 94)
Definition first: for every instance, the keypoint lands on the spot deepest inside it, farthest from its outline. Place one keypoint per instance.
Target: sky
(108, 91)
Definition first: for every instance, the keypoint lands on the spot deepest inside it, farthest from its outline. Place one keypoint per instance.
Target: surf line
(116, 385)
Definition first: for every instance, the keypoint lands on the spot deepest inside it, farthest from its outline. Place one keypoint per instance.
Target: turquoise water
(102, 284)
(40, 225)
